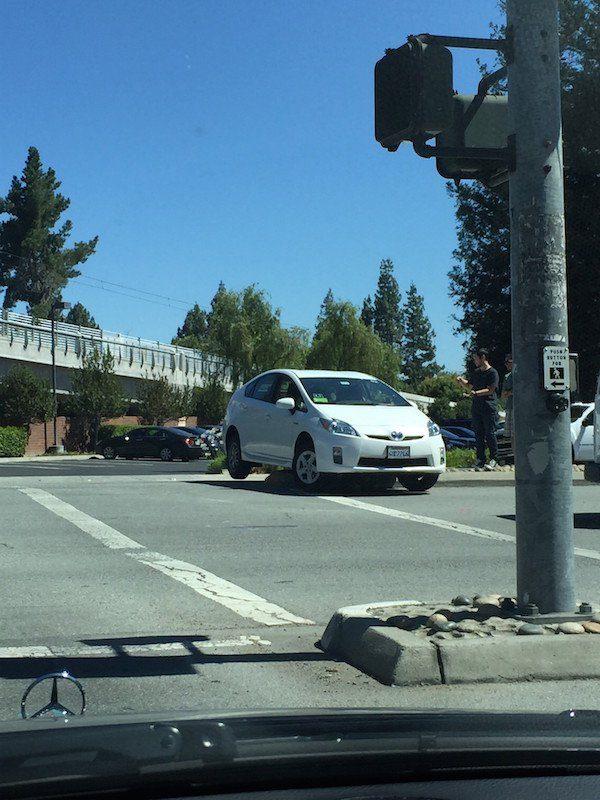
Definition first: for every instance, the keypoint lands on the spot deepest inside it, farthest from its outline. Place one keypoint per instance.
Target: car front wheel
(109, 453)
(306, 474)
(418, 483)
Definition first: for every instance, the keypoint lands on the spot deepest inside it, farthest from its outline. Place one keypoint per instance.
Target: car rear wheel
(418, 483)
(166, 454)
(109, 452)
(236, 467)
(306, 473)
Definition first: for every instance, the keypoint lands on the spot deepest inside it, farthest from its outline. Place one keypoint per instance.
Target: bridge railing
(136, 353)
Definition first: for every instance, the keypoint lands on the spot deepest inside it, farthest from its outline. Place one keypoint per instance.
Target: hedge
(217, 465)
(106, 431)
(13, 441)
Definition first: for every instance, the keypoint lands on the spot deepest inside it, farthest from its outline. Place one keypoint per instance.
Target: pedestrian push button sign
(556, 368)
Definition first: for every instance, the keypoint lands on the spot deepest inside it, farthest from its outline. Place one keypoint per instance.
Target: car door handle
(243, 406)
(267, 416)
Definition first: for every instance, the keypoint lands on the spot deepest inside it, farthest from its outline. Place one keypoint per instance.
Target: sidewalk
(40, 459)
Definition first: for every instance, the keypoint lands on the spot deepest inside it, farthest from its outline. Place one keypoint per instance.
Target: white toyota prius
(319, 422)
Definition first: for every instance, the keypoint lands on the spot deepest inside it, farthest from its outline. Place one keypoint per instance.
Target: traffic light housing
(413, 93)
(477, 124)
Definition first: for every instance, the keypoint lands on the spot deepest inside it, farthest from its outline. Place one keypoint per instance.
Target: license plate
(398, 452)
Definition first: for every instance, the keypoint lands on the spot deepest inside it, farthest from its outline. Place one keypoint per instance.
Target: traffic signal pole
(543, 468)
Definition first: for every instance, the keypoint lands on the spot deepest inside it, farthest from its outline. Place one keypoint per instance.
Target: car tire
(236, 466)
(128, 458)
(166, 454)
(109, 453)
(304, 468)
(418, 483)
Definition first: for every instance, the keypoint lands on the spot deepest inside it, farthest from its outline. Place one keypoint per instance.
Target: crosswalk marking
(204, 583)
(444, 524)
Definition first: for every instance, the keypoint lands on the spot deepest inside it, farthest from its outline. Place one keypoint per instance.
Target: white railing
(36, 335)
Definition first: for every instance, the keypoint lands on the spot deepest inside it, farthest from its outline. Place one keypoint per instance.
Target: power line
(131, 296)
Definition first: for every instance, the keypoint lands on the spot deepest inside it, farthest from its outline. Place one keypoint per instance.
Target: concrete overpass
(24, 340)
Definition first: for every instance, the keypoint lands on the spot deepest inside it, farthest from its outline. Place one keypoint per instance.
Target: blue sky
(228, 140)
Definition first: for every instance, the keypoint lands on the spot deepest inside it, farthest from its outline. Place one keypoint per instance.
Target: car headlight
(434, 430)
(338, 426)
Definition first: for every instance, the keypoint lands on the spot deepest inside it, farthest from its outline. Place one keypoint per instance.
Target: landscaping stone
(461, 600)
(468, 626)
(591, 627)
(435, 618)
(571, 627)
(529, 629)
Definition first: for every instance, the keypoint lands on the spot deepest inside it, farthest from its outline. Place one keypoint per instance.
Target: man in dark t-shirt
(484, 391)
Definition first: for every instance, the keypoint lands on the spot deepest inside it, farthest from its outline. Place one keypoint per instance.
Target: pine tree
(79, 315)
(35, 265)
(326, 306)
(387, 315)
(367, 314)
(194, 329)
(418, 344)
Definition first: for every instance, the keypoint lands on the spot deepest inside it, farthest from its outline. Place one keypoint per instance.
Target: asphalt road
(162, 589)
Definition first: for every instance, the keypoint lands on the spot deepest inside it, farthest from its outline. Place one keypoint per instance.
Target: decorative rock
(458, 634)
(591, 627)
(486, 600)
(571, 627)
(529, 629)
(468, 626)
(434, 618)
(444, 627)
(442, 635)
(461, 600)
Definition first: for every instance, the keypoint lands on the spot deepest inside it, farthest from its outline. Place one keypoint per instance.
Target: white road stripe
(108, 536)
(204, 583)
(445, 524)
(82, 650)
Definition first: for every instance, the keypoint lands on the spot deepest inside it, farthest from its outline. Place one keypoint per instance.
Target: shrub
(24, 397)
(13, 441)
(457, 457)
(217, 465)
(106, 431)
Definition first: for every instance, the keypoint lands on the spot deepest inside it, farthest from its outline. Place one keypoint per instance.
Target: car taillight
(189, 441)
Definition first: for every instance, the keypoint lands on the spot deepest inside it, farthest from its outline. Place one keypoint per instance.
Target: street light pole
(58, 305)
(543, 468)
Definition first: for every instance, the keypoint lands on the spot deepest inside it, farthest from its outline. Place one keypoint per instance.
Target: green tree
(387, 314)
(79, 315)
(210, 401)
(418, 344)
(343, 342)
(367, 315)
(245, 330)
(326, 305)
(480, 276)
(96, 393)
(35, 264)
(194, 329)
(160, 401)
(447, 394)
(25, 398)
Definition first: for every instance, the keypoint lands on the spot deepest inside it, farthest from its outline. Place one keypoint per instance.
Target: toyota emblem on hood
(397, 435)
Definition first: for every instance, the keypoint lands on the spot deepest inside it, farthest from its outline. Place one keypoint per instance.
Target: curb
(56, 458)
(398, 658)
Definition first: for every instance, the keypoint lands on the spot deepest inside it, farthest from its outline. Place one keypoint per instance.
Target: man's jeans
(484, 428)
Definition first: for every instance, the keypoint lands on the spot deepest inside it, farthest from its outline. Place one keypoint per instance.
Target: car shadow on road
(581, 520)
(122, 663)
(282, 483)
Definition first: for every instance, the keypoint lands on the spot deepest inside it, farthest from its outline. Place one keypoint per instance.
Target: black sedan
(153, 442)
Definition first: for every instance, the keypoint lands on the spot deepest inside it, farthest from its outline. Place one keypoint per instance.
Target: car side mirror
(286, 402)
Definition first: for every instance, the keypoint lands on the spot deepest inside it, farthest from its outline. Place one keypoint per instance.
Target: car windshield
(347, 391)
(295, 407)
